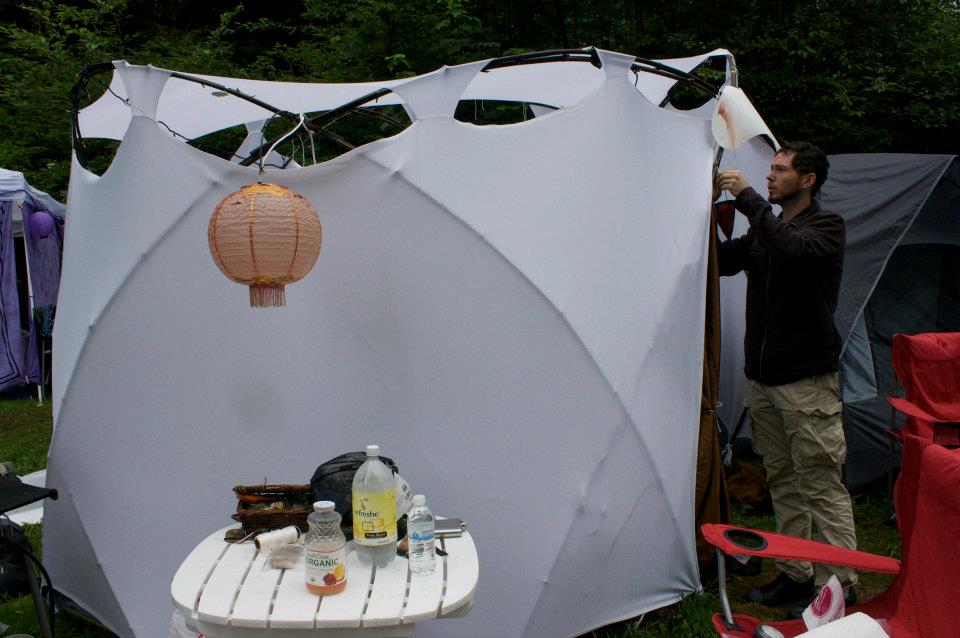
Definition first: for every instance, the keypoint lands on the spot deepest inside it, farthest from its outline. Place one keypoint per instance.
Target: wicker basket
(254, 511)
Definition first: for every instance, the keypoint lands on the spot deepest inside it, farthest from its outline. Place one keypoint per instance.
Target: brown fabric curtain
(711, 504)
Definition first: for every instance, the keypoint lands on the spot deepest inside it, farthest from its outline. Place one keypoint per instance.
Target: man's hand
(732, 181)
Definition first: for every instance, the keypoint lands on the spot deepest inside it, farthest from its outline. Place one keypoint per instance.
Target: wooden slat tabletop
(252, 606)
(224, 590)
(463, 571)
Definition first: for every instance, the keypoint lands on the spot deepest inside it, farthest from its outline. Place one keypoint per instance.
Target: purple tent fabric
(32, 371)
(11, 341)
(43, 255)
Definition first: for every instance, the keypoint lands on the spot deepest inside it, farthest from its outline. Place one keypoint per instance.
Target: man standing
(794, 262)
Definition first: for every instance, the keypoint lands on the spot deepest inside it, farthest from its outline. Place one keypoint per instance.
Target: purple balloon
(40, 223)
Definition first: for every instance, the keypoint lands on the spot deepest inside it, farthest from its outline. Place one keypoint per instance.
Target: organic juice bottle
(326, 551)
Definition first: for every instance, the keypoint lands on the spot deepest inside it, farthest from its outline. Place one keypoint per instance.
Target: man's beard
(784, 198)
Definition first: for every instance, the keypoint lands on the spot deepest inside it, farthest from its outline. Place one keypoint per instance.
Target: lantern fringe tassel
(267, 296)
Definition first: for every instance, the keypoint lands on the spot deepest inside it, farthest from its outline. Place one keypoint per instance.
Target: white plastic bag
(857, 625)
(828, 606)
(290, 556)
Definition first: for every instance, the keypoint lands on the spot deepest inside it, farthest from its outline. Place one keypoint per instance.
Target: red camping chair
(928, 367)
(920, 601)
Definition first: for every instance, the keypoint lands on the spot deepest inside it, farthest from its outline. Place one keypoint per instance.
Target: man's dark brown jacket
(793, 279)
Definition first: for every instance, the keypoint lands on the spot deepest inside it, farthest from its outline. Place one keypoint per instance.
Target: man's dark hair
(808, 158)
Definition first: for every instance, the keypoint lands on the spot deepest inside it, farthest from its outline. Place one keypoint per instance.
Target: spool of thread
(276, 538)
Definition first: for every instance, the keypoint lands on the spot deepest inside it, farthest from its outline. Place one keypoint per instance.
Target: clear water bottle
(374, 511)
(421, 535)
(325, 551)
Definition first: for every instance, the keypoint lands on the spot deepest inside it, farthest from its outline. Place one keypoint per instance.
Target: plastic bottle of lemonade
(421, 532)
(374, 511)
(326, 551)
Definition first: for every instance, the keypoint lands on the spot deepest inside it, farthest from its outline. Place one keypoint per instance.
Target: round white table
(223, 591)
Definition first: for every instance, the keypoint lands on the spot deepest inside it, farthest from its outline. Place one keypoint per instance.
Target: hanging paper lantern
(265, 236)
(40, 223)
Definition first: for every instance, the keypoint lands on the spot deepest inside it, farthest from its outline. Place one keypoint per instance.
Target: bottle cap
(373, 450)
(419, 499)
(323, 506)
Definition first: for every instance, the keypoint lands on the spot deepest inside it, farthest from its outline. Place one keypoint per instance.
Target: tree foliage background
(852, 76)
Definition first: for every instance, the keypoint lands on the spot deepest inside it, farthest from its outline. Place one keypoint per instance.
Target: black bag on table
(333, 481)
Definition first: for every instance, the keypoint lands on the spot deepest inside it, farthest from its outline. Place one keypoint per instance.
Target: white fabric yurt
(514, 313)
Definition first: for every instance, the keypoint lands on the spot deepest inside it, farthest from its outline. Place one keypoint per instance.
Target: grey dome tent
(901, 275)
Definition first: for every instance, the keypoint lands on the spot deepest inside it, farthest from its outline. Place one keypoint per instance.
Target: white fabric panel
(753, 159)
(139, 210)
(556, 84)
(253, 140)
(80, 566)
(491, 305)
(656, 87)
(539, 111)
(437, 94)
(704, 111)
(615, 64)
(144, 86)
(194, 110)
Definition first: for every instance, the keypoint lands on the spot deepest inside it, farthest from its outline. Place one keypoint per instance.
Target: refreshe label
(374, 518)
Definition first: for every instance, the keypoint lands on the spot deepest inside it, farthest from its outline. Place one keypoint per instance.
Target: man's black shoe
(849, 600)
(780, 591)
(752, 567)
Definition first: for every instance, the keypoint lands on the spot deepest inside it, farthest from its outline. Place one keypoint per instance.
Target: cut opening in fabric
(496, 112)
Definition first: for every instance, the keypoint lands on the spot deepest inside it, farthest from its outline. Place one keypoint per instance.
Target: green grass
(689, 618)
(25, 431)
